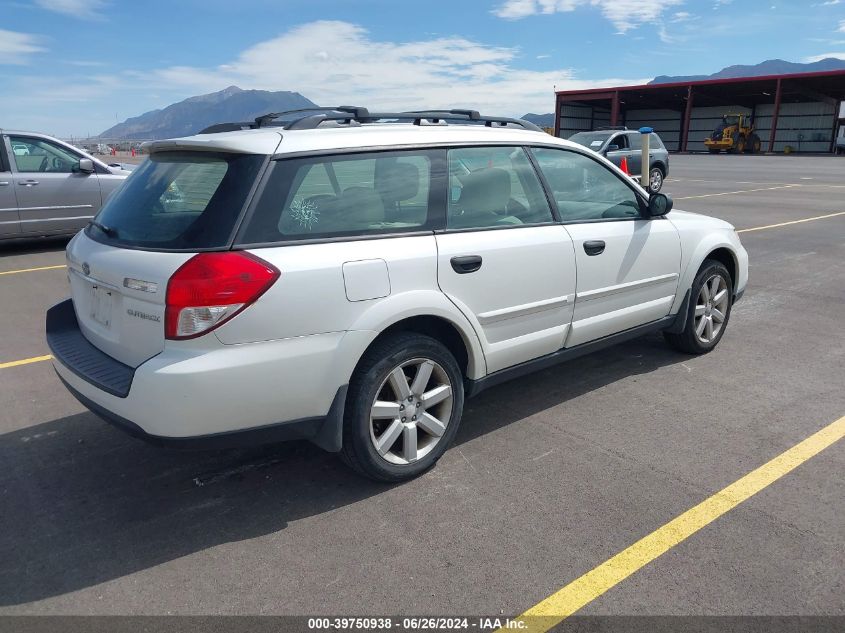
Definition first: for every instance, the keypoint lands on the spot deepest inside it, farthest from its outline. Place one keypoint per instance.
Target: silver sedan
(48, 187)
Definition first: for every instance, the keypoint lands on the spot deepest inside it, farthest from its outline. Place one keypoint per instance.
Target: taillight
(211, 288)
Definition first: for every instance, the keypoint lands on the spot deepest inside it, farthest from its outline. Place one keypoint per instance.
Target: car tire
(698, 337)
(377, 434)
(655, 180)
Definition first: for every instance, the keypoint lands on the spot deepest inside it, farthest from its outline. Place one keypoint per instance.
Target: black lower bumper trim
(75, 352)
(315, 429)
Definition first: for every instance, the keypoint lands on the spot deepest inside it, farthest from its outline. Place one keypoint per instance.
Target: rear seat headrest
(485, 190)
(398, 182)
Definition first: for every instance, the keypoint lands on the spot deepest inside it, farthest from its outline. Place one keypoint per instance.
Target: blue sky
(73, 67)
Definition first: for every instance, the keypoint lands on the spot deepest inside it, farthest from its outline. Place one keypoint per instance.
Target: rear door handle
(594, 247)
(4, 183)
(466, 264)
(28, 183)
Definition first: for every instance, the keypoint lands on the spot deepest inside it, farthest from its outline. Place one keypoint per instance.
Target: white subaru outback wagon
(350, 278)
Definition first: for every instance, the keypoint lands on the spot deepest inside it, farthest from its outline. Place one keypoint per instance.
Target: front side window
(494, 186)
(356, 194)
(35, 155)
(584, 189)
(621, 142)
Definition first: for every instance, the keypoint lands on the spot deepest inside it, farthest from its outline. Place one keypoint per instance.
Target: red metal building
(798, 110)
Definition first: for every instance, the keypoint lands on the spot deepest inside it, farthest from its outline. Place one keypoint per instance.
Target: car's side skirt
(474, 387)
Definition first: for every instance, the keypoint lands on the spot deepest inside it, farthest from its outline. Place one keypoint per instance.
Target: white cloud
(664, 36)
(623, 14)
(841, 28)
(334, 62)
(15, 48)
(328, 62)
(85, 9)
(818, 58)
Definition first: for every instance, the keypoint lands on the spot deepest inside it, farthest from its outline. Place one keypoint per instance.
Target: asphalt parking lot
(551, 476)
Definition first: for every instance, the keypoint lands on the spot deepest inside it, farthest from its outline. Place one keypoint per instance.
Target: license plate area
(101, 305)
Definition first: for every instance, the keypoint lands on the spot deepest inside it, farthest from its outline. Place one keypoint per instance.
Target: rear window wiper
(105, 229)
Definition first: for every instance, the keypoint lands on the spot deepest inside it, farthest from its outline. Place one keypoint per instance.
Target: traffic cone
(624, 166)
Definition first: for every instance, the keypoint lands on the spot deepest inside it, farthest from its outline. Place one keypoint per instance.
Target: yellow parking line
(578, 593)
(730, 193)
(31, 270)
(774, 226)
(25, 361)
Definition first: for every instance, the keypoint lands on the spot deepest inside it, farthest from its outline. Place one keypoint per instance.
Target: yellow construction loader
(735, 134)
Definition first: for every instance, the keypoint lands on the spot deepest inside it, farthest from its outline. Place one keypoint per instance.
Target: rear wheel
(655, 179)
(753, 145)
(404, 407)
(708, 312)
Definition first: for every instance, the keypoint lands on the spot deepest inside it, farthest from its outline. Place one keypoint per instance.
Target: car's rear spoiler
(258, 142)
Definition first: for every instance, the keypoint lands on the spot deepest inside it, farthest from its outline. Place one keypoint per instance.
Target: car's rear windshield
(179, 201)
(593, 140)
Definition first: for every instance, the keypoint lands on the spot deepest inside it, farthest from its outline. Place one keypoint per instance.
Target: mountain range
(195, 113)
(768, 67)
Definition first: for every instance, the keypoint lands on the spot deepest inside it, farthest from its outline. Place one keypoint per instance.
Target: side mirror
(659, 204)
(612, 148)
(85, 166)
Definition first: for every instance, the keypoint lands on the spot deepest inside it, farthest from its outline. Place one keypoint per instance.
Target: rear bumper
(324, 431)
(204, 394)
(73, 350)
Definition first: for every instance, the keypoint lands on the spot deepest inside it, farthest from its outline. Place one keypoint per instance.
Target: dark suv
(619, 143)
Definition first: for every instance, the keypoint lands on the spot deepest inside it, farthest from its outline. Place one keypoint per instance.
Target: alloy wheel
(656, 180)
(411, 411)
(711, 309)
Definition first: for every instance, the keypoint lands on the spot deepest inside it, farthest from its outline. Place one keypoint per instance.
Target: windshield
(593, 140)
(178, 201)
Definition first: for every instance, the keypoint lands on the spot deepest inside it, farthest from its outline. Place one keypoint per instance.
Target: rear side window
(331, 196)
(494, 186)
(654, 141)
(179, 201)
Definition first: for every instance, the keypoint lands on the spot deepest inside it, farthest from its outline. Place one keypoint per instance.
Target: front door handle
(4, 183)
(28, 183)
(594, 247)
(466, 264)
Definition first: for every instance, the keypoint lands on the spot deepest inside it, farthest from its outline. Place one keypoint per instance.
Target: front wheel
(708, 312)
(655, 180)
(403, 409)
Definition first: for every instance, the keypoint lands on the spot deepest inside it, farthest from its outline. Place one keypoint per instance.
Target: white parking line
(773, 226)
(730, 193)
